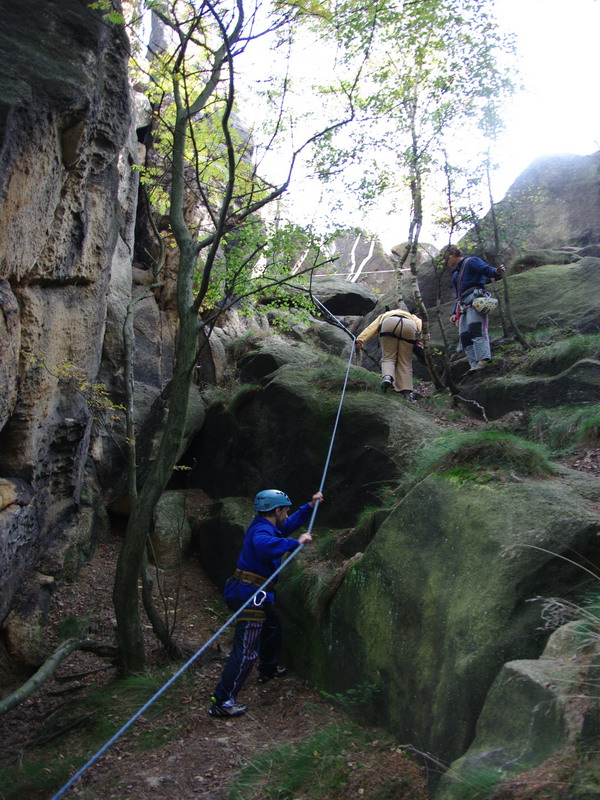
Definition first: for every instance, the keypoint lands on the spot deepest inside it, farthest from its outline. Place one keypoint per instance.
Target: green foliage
(431, 68)
(108, 11)
(487, 450)
(565, 427)
(224, 190)
(74, 378)
(363, 695)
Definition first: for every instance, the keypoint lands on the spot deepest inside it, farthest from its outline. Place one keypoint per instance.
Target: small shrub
(326, 542)
(241, 345)
(241, 395)
(72, 627)
(362, 695)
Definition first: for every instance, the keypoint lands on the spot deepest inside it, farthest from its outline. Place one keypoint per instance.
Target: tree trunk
(416, 190)
(508, 305)
(129, 564)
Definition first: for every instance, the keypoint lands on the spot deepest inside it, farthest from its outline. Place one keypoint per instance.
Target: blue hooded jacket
(262, 551)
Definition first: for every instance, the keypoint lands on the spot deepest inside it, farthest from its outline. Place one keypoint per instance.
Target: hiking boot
(472, 370)
(265, 677)
(235, 710)
(386, 382)
(408, 396)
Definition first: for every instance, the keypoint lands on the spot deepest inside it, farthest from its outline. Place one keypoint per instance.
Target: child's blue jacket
(264, 546)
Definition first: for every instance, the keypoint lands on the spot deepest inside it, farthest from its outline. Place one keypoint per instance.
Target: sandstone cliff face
(65, 218)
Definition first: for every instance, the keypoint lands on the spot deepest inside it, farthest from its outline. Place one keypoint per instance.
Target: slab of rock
(171, 535)
(342, 297)
(533, 710)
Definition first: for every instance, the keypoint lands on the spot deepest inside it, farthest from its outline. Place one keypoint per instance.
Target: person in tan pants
(398, 330)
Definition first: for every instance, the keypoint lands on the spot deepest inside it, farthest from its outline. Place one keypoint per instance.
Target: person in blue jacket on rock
(469, 278)
(258, 629)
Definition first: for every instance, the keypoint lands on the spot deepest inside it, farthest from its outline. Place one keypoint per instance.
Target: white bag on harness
(485, 304)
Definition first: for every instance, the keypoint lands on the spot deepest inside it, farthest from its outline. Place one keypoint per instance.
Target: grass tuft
(475, 450)
(561, 355)
(334, 763)
(566, 427)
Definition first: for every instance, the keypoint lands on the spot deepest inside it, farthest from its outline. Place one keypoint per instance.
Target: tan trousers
(396, 353)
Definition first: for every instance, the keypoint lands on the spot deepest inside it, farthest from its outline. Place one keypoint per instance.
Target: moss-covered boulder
(556, 295)
(424, 621)
(267, 355)
(218, 537)
(343, 297)
(531, 259)
(278, 434)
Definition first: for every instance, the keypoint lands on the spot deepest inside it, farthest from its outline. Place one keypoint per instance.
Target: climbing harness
(259, 593)
(394, 334)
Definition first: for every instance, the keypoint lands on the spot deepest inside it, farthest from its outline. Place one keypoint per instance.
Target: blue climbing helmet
(269, 499)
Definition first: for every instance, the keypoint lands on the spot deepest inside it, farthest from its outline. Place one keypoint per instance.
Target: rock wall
(66, 219)
(440, 601)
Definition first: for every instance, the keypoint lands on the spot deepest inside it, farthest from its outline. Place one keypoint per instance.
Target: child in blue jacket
(258, 629)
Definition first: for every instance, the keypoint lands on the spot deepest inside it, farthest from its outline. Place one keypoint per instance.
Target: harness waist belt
(401, 317)
(402, 338)
(251, 577)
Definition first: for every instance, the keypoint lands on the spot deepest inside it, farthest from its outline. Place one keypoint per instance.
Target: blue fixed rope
(215, 636)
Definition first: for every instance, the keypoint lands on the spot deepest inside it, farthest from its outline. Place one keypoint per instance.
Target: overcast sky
(559, 57)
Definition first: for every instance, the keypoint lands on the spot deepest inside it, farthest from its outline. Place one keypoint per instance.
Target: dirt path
(185, 753)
